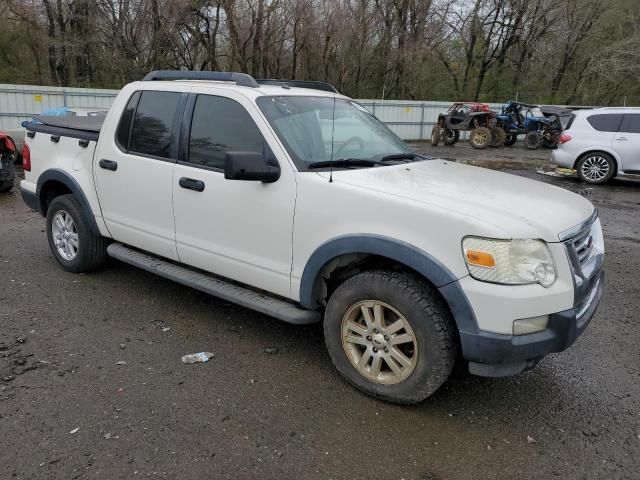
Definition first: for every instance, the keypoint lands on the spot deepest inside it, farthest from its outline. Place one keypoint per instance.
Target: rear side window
(631, 123)
(220, 125)
(152, 124)
(124, 127)
(605, 122)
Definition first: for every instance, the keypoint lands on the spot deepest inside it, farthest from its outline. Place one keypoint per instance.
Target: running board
(230, 292)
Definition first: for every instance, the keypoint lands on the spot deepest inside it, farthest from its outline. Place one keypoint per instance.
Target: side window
(124, 127)
(605, 122)
(631, 123)
(152, 123)
(220, 125)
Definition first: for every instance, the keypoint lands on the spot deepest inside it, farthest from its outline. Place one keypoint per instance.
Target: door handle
(108, 165)
(622, 139)
(191, 184)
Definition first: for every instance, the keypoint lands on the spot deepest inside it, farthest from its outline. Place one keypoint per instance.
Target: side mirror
(250, 166)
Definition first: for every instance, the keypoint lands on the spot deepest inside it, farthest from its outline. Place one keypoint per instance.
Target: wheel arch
(354, 248)
(53, 183)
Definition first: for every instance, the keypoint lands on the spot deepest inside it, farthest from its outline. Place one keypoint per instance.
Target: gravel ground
(92, 386)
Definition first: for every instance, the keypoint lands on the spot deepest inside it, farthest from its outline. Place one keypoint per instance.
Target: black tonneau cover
(82, 127)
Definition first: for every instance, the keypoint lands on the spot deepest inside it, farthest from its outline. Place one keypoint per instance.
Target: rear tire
(480, 137)
(7, 185)
(71, 240)
(498, 137)
(364, 346)
(510, 141)
(596, 168)
(533, 140)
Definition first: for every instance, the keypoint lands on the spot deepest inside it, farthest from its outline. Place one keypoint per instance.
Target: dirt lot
(92, 386)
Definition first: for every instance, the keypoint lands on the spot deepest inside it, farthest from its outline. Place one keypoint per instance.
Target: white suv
(299, 203)
(601, 144)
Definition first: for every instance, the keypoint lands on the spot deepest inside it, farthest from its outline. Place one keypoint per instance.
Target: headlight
(512, 262)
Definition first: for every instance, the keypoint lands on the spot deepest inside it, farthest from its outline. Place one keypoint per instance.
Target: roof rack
(238, 78)
(242, 79)
(312, 84)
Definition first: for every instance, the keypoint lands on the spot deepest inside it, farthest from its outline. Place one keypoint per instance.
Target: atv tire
(7, 184)
(510, 140)
(498, 137)
(450, 137)
(436, 133)
(480, 137)
(533, 140)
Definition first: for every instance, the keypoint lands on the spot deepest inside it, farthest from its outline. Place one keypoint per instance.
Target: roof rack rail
(312, 84)
(239, 78)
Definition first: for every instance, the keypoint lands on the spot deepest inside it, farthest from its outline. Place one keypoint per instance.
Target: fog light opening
(525, 326)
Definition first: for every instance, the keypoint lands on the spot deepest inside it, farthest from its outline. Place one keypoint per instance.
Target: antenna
(333, 126)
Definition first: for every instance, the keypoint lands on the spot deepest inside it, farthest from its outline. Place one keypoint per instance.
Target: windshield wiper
(344, 162)
(400, 156)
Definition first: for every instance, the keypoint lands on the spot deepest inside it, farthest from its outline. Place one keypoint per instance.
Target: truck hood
(514, 206)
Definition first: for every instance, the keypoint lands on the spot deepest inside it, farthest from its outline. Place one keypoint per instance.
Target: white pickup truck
(291, 199)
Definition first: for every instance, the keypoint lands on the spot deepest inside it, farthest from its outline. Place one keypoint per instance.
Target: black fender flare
(57, 175)
(422, 262)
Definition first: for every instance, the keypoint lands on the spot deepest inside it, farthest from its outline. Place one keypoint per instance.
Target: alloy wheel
(65, 235)
(379, 342)
(595, 168)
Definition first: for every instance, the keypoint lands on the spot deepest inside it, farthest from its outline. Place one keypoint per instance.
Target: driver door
(241, 230)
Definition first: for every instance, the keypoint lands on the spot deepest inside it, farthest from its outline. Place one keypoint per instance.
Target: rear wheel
(71, 240)
(596, 168)
(480, 137)
(533, 140)
(450, 137)
(389, 335)
(8, 165)
(498, 137)
(435, 135)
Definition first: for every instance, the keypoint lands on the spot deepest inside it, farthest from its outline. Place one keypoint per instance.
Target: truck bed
(82, 127)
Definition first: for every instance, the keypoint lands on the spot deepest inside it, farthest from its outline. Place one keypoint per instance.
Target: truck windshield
(310, 128)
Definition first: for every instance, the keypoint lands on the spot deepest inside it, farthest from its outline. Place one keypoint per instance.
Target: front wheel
(510, 140)
(450, 136)
(596, 168)
(436, 133)
(480, 137)
(498, 137)
(73, 244)
(390, 335)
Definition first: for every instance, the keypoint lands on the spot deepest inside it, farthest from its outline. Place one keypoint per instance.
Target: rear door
(241, 230)
(627, 143)
(134, 171)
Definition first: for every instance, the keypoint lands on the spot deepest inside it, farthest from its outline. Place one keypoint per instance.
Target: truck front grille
(583, 246)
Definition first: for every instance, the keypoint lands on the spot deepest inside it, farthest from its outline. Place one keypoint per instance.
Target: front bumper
(496, 355)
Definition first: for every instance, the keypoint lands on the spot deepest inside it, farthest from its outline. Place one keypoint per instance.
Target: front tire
(71, 240)
(450, 137)
(435, 135)
(390, 335)
(510, 140)
(596, 168)
(480, 137)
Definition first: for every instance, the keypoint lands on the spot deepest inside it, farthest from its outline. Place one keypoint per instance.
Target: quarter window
(220, 125)
(631, 123)
(152, 124)
(124, 127)
(605, 122)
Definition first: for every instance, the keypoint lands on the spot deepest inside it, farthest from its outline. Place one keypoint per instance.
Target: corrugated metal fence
(20, 102)
(411, 120)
